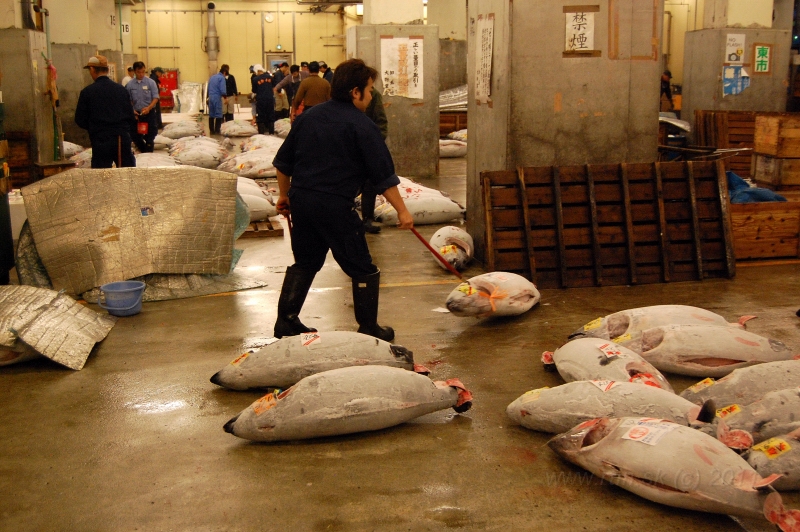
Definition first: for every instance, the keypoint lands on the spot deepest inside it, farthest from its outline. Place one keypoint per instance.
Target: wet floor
(134, 441)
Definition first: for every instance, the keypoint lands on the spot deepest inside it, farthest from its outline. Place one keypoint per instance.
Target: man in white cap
(105, 111)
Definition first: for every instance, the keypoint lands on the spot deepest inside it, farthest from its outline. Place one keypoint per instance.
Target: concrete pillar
(413, 122)
(393, 12)
(10, 14)
(549, 107)
(72, 78)
(451, 18)
(738, 14)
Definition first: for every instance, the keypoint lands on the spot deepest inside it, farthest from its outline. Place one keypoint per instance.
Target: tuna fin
(750, 480)
(707, 412)
(735, 439)
(745, 319)
(464, 396)
(422, 370)
(547, 360)
(767, 482)
(777, 514)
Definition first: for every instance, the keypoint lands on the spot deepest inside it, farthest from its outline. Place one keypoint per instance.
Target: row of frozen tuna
(333, 383)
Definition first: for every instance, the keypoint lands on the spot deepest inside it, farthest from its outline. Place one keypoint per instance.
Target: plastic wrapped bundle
(426, 205)
(238, 128)
(255, 163)
(184, 128)
(202, 152)
(82, 159)
(262, 141)
(71, 149)
(461, 135)
(154, 160)
(282, 127)
(452, 148)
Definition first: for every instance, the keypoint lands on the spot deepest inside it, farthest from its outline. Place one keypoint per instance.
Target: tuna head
(401, 354)
(588, 433)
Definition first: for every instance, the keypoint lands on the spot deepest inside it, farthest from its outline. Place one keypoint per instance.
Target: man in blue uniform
(143, 93)
(331, 150)
(217, 91)
(265, 100)
(105, 111)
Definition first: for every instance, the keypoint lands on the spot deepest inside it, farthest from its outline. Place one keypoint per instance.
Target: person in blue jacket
(217, 91)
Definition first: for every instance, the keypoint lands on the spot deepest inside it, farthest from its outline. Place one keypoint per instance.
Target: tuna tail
(547, 360)
(422, 370)
(743, 320)
(229, 425)
(777, 514)
(464, 402)
(736, 439)
(401, 353)
(707, 412)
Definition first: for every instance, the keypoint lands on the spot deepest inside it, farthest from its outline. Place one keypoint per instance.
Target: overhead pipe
(212, 41)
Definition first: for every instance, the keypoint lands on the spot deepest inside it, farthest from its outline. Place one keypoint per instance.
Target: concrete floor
(134, 441)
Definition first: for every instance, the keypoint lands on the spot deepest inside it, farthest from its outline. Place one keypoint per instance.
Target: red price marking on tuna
(638, 433)
(722, 413)
(610, 350)
(647, 430)
(773, 448)
(240, 359)
(264, 404)
(444, 250)
(705, 383)
(306, 339)
(605, 386)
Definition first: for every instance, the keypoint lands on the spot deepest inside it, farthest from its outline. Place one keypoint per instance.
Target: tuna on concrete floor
(134, 440)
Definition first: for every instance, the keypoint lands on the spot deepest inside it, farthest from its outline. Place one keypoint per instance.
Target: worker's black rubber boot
(296, 283)
(365, 304)
(368, 213)
(228, 117)
(369, 228)
(217, 126)
(212, 125)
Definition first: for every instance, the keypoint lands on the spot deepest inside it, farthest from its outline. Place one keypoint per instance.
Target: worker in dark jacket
(155, 75)
(231, 91)
(105, 111)
(265, 100)
(331, 150)
(375, 112)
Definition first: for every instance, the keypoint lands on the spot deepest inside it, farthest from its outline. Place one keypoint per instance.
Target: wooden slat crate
(766, 230)
(778, 135)
(20, 157)
(775, 173)
(728, 129)
(453, 121)
(600, 225)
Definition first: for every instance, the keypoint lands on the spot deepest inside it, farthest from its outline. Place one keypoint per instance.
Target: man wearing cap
(104, 110)
(327, 73)
(312, 91)
(217, 96)
(128, 77)
(319, 192)
(265, 100)
(144, 97)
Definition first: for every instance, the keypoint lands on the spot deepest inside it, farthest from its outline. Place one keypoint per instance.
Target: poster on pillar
(483, 70)
(401, 66)
(735, 80)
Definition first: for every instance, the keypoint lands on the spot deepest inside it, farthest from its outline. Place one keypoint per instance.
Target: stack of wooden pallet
(777, 147)
(728, 129)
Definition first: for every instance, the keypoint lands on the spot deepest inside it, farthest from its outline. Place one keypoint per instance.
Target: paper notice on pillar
(735, 79)
(734, 48)
(401, 66)
(483, 72)
(580, 32)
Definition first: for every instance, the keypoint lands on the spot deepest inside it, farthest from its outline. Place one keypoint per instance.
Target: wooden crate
(43, 170)
(775, 173)
(20, 157)
(778, 135)
(600, 225)
(766, 230)
(728, 129)
(451, 121)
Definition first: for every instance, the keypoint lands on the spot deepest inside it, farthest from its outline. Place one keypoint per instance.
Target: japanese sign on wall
(762, 58)
(734, 48)
(580, 31)
(401, 66)
(483, 70)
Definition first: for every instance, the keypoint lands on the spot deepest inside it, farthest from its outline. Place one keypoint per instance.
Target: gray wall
(115, 57)
(702, 86)
(550, 110)
(72, 78)
(26, 103)
(413, 124)
(452, 64)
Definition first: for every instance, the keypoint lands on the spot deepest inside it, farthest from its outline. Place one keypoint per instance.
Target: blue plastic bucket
(123, 298)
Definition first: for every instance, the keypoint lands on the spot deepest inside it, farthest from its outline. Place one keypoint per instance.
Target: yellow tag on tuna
(240, 359)
(264, 404)
(534, 394)
(703, 384)
(722, 413)
(624, 338)
(594, 324)
(773, 448)
(466, 288)
(444, 250)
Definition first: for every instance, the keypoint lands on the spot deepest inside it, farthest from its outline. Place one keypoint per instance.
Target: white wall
(10, 14)
(69, 21)
(450, 16)
(393, 11)
(738, 14)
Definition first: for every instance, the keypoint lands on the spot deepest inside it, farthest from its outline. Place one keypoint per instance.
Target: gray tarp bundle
(97, 226)
(52, 323)
(454, 99)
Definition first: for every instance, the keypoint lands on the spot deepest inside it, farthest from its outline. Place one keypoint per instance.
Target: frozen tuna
(454, 245)
(587, 359)
(347, 400)
(674, 465)
(16, 353)
(778, 456)
(493, 294)
(283, 363)
(706, 350)
(627, 325)
(775, 414)
(746, 385)
(563, 407)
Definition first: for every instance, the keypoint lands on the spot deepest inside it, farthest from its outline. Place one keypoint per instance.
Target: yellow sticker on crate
(624, 338)
(703, 384)
(773, 448)
(722, 413)
(240, 359)
(594, 324)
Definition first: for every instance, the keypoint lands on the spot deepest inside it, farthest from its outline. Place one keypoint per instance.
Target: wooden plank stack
(728, 129)
(777, 146)
(20, 157)
(601, 225)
